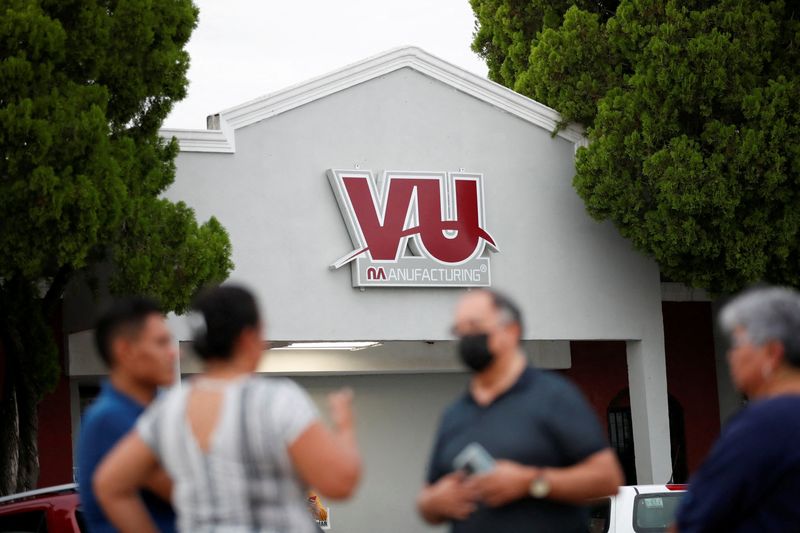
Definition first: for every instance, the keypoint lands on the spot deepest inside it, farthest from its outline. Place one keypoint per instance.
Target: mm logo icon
(376, 273)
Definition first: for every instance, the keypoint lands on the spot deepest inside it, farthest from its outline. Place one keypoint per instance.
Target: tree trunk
(9, 431)
(19, 423)
(28, 423)
(26, 349)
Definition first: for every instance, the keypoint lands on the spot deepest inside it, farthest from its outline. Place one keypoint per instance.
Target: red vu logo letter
(414, 228)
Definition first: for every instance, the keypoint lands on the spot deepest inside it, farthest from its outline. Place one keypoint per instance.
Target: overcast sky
(243, 49)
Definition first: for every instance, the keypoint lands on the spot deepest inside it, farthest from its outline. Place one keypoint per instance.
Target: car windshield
(653, 513)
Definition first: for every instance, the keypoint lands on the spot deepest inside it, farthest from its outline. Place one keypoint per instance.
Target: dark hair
(125, 316)
(507, 307)
(225, 311)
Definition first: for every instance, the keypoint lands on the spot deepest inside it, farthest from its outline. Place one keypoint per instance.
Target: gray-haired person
(751, 479)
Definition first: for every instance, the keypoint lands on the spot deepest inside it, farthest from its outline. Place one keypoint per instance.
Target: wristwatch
(540, 486)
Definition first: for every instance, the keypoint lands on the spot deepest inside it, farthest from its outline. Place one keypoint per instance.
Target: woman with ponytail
(242, 450)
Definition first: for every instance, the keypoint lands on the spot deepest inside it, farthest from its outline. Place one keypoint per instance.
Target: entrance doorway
(620, 436)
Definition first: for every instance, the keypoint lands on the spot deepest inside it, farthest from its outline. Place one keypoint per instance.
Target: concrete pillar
(177, 346)
(647, 378)
(180, 330)
(75, 422)
(730, 401)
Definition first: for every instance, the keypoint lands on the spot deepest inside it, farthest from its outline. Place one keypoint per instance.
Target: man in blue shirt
(133, 340)
(549, 452)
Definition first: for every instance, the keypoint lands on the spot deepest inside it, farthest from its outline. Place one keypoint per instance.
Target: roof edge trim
(240, 116)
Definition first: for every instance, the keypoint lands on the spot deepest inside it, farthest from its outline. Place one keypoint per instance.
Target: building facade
(361, 205)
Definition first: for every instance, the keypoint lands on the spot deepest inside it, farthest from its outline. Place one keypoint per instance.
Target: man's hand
(505, 483)
(450, 498)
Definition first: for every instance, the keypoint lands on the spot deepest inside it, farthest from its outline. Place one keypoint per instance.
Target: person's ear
(505, 339)
(121, 350)
(251, 338)
(257, 345)
(776, 353)
(511, 334)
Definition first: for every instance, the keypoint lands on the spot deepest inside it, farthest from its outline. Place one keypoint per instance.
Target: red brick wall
(692, 373)
(599, 368)
(55, 425)
(55, 437)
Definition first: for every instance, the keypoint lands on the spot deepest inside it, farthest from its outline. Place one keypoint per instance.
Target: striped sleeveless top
(245, 481)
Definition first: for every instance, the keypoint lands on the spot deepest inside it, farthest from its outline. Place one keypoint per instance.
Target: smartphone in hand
(474, 459)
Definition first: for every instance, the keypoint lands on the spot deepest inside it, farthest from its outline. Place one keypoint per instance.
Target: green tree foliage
(84, 88)
(692, 109)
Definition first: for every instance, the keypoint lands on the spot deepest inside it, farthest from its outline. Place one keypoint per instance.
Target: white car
(637, 508)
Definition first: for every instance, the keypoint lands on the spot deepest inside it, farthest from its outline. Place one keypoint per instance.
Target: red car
(50, 510)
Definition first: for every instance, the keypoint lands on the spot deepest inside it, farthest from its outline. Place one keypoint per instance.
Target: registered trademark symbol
(484, 268)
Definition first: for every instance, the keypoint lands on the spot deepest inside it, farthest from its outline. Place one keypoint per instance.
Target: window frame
(668, 494)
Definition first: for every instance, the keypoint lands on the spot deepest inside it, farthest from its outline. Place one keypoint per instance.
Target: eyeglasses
(475, 330)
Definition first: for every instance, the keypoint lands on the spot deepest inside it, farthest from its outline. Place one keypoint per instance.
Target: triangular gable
(220, 135)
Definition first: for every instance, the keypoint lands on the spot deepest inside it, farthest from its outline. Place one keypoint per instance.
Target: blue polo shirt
(106, 421)
(542, 420)
(750, 481)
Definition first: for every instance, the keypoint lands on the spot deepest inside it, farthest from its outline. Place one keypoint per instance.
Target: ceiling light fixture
(346, 345)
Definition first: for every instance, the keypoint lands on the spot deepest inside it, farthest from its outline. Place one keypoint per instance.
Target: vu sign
(414, 228)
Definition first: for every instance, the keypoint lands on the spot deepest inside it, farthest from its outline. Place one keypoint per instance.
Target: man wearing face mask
(550, 454)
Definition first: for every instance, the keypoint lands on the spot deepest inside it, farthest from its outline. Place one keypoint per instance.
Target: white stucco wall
(575, 278)
(397, 420)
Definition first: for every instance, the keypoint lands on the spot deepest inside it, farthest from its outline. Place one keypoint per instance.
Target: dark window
(600, 516)
(24, 522)
(620, 433)
(654, 513)
(677, 435)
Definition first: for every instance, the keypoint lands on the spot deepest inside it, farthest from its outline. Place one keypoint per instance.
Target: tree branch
(56, 289)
